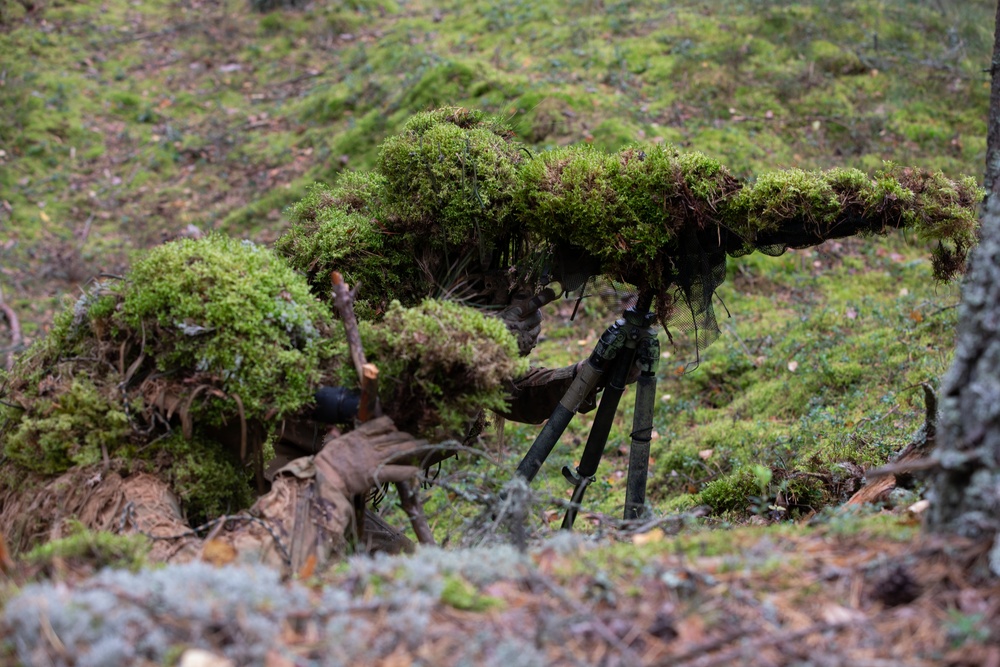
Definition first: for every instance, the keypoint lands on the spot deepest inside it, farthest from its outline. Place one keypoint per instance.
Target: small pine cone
(898, 587)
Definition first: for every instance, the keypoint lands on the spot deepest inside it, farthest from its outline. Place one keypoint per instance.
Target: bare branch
(15, 332)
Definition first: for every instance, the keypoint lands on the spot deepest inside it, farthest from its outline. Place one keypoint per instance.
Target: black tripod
(628, 341)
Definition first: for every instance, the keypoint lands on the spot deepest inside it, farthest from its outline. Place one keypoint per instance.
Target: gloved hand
(523, 318)
(356, 461)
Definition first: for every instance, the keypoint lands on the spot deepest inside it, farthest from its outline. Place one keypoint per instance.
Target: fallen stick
(409, 499)
(343, 301)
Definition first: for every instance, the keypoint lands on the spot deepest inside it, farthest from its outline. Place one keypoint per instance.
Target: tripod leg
(610, 343)
(593, 451)
(642, 429)
(585, 382)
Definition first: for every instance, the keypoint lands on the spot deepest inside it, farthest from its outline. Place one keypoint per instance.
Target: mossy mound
(451, 176)
(230, 316)
(761, 490)
(71, 423)
(212, 336)
(441, 363)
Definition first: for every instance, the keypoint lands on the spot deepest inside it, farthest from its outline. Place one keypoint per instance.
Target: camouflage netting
(455, 183)
(187, 367)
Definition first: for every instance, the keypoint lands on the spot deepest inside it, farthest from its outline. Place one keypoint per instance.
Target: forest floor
(126, 124)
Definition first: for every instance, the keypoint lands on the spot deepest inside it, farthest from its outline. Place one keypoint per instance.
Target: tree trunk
(965, 492)
(992, 181)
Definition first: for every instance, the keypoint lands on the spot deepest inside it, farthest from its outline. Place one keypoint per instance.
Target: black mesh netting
(686, 306)
(696, 270)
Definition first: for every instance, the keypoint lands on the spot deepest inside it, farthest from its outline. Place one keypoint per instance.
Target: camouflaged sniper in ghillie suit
(192, 368)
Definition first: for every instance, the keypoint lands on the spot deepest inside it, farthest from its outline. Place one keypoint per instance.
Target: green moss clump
(207, 477)
(72, 424)
(758, 488)
(201, 342)
(438, 206)
(793, 197)
(568, 196)
(230, 315)
(356, 192)
(734, 493)
(339, 229)
(460, 594)
(632, 210)
(441, 363)
(627, 208)
(451, 176)
(795, 208)
(99, 549)
(937, 207)
(804, 493)
(834, 60)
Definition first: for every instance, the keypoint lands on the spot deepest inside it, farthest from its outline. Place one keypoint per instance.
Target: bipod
(631, 340)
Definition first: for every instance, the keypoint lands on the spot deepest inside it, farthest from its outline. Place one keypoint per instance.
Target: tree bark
(965, 491)
(992, 180)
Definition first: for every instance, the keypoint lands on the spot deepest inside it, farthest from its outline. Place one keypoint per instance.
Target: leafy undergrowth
(848, 589)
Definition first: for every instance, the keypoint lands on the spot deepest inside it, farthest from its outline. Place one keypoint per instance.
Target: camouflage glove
(525, 329)
(355, 462)
(532, 398)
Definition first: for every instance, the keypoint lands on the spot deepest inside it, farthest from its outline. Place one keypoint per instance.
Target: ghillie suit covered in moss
(195, 365)
(456, 205)
(435, 218)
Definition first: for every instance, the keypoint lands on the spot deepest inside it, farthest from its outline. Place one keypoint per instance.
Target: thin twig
(696, 656)
(343, 301)
(17, 341)
(409, 500)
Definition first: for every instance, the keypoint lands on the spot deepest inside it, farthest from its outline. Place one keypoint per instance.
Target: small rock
(196, 657)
